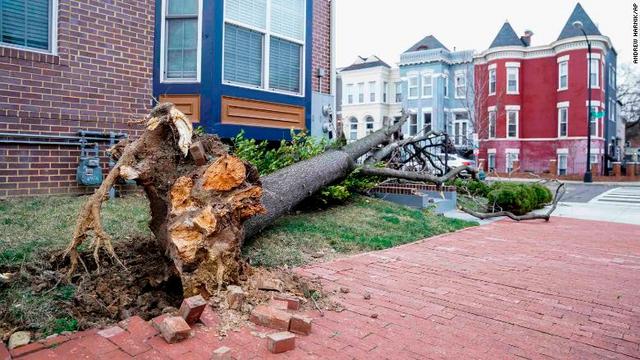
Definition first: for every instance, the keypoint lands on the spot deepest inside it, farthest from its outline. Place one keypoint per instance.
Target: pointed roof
(427, 43)
(578, 14)
(364, 63)
(506, 37)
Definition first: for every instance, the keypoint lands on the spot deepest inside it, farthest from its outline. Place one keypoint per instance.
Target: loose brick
(293, 303)
(222, 353)
(281, 342)
(272, 318)
(198, 154)
(174, 329)
(300, 324)
(279, 304)
(235, 297)
(192, 308)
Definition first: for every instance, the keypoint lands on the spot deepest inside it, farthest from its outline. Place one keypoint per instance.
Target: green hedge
(518, 198)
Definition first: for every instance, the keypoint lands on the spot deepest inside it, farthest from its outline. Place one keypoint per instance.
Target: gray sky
(388, 27)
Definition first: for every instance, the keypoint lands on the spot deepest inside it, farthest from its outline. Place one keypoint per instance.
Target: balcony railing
(423, 56)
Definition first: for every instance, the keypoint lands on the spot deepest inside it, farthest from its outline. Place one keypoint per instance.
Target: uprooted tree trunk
(199, 204)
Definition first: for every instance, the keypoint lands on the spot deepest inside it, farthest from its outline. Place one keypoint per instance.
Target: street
(599, 202)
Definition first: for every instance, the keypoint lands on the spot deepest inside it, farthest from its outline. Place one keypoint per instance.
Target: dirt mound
(40, 299)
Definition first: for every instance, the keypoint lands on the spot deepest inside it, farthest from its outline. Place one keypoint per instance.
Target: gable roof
(364, 63)
(427, 43)
(506, 37)
(578, 14)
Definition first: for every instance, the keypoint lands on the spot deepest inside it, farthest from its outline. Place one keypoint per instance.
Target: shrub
(473, 187)
(517, 198)
(270, 159)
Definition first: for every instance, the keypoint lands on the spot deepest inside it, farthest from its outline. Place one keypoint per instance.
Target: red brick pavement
(564, 289)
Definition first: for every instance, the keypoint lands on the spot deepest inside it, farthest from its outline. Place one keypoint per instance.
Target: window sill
(513, 93)
(30, 55)
(563, 89)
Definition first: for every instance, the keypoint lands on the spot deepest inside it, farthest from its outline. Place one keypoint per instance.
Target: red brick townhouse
(68, 66)
(534, 100)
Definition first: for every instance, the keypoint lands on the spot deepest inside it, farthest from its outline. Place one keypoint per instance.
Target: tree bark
(287, 187)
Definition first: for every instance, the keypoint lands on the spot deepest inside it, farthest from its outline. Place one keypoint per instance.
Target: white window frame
(491, 156)
(372, 91)
(424, 123)
(594, 120)
(507, 154)
(385, 92)
(460, 75)
(397, 86)
(611, 110)
(412, 113)
(368, 120)
(561, 64)
(460, 137)
(349, 93)
(515, 110)
(353, 131)
(515, 69)
(265, 51)
(416, 87)
(563, 106)
(360, 86)
(493, 83)
(53, 35)
(163, 48)
(596, 58)
(426, 84)
(565, 155)
(493, 121)
(446, 85)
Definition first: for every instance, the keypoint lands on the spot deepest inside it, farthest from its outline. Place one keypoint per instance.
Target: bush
(473, 187)
(270, 159)
(517, 198)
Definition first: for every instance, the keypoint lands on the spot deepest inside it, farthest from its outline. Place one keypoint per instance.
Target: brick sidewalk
(564, 289)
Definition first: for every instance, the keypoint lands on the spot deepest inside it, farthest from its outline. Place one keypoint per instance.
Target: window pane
(242, 55)
(287, 18)
(182, 7)
(25, 23)
(249, 12)
(284, 65)
(182, 48)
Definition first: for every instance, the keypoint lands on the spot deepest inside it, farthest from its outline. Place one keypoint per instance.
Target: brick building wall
(321, 44)
(99, 80)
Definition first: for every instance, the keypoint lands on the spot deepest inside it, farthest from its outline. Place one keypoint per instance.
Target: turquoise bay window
(264, 44)
(181, 39)
(26, 24)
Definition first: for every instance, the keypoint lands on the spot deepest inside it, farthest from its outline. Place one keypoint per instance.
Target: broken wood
(197, 212)
(204, 201)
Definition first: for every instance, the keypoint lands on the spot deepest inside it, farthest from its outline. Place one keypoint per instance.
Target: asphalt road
(582, 193)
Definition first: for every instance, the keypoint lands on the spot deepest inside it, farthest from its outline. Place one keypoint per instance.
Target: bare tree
(629, 94)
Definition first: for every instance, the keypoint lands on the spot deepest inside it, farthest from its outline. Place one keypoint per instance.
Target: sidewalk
(612, 183)
(563, 289)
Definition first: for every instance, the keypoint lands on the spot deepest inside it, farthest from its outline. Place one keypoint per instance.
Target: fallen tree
(204, 201)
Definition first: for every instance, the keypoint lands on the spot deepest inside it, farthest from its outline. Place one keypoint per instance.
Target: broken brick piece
(198, 154)
(110, 332)
(300, 324)
(272, 318)
(279, 304)
(192, 308)
(174, 329)
(292, 302)
(281, 342)
(222, 353)
(235, 297)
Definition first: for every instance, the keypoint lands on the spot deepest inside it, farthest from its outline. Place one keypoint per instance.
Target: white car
(454, 161)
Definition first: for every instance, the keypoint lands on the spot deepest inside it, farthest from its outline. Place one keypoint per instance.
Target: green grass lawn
(30, 227)
(362, 224)
(37, 225)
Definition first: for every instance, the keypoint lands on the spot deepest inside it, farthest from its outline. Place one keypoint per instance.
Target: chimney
(526, 39)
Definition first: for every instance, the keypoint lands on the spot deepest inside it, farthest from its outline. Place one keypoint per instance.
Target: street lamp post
(587, 175)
